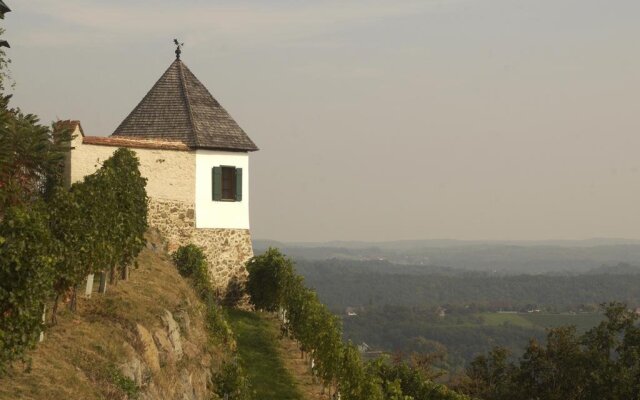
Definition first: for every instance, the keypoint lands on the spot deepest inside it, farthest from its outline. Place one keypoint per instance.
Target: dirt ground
(300, 370)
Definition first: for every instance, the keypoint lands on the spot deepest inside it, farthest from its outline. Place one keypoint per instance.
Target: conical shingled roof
(179, 108)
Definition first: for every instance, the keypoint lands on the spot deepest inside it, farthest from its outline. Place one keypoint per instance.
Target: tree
(31, 157)
(604, 363)
(355, 382)
(268, 276)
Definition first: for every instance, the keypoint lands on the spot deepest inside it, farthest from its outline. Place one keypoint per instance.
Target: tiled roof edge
(123, 141)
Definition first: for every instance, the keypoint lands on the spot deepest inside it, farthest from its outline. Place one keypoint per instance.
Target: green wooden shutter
(216, 183)
(238, 184)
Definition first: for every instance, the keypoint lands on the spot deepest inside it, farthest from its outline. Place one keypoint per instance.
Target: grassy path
(260, 356)
(300, 369)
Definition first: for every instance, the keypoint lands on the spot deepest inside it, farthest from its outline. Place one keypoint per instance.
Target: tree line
(51, 236)
(275, 286)
(342, 284)
(603, 363)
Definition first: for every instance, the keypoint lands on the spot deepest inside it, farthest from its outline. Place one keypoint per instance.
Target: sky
(376, 120)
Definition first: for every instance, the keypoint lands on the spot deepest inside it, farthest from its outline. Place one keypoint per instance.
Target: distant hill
(502, 257)
(345, 283)
(619, 269)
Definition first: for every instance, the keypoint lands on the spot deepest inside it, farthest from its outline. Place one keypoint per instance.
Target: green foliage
(603, 363)
(97, 225)
(232, 380)
(268, 274)
(217, 324)
(126, 186)
(402, 381)
(274, 285)
(460, 335)
(189, 260)
(69, 228)
(31, 157)
(355, 381)
(26, 276)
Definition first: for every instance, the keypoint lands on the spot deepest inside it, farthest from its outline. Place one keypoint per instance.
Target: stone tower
(196, 161)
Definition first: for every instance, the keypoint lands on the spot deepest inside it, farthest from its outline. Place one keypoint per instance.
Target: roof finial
(178, 48)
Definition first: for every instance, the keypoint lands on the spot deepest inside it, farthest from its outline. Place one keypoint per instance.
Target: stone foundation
(227, 250)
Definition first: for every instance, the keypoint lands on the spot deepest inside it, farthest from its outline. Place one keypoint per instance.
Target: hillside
(145, 338)
(342, 284)
(496, 257)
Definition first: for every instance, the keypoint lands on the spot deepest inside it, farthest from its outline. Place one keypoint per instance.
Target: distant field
(582, 322)
(514, 319)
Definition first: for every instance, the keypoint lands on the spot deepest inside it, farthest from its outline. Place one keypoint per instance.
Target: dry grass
(78, 358)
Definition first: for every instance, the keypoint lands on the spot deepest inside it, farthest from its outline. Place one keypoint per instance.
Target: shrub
(232, 380)
(217, 325)
(268, 275)
(26, 277)
(191, 262)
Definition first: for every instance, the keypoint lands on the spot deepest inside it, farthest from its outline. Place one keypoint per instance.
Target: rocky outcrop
(173, 333)
(159, 354)
(149, 349)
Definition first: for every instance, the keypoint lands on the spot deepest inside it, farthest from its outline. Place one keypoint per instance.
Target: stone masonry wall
(227, 250)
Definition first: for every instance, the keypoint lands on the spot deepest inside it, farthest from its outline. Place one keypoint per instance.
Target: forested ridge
(342, 283)
(398, 306)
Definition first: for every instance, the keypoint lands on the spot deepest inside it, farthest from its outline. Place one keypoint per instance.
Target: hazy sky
(396, 119)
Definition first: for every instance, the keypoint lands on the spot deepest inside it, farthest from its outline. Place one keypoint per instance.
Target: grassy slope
(78, 358)
(258, 347)
(79, 355)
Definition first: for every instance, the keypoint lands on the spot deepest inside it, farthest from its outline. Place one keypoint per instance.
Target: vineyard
(51, 236)
(275, 286)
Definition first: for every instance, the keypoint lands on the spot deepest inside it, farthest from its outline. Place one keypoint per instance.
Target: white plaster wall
(220, 214)
(170, 173)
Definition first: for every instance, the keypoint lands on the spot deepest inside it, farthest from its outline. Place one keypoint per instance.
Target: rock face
(158, 355)
(227, 250)
(173, 333)
(149, 349)
(134, 369)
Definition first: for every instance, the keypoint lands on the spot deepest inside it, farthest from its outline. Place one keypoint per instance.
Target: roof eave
(229, 149)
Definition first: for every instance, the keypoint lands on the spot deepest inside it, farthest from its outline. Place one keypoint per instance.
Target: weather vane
(178, 48)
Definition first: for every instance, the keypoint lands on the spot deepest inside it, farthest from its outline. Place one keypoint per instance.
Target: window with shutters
(227, 183)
